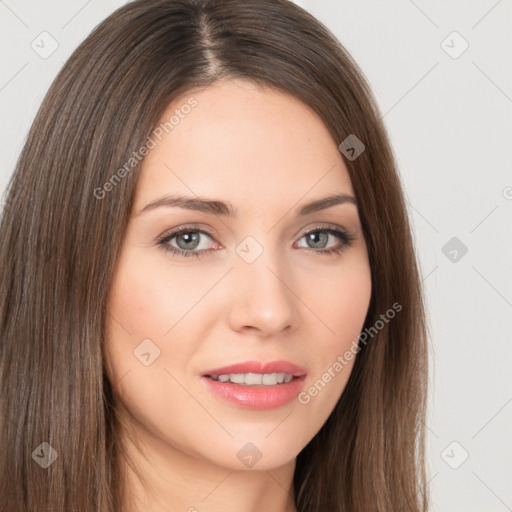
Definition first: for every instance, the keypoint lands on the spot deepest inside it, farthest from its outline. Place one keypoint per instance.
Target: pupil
(314, 237)
(191, 240)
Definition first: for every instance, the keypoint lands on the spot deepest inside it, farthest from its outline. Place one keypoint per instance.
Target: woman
(210, 293)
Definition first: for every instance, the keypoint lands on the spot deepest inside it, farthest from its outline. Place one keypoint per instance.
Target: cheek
(148, 346)
(141, 303)
(341, 304)
(157, 311)
(341, 300)
(148, 300)
(142, 309)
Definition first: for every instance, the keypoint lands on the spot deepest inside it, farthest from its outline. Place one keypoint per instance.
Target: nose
(262, 301)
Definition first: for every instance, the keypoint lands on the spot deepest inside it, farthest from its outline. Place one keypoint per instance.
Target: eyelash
(345, 238)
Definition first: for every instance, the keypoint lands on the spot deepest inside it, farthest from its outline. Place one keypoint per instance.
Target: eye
(191, 241)
(319, 238)
(186, 241)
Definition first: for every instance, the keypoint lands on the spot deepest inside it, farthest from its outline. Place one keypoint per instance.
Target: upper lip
(259, 367)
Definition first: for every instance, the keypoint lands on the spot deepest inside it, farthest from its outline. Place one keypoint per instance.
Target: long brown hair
(60, 242)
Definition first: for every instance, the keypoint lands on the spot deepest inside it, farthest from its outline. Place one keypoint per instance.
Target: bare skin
(267, 154)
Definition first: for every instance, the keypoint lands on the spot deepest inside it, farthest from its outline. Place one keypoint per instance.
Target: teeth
(237, 378)
(254, 379)
(269, 379)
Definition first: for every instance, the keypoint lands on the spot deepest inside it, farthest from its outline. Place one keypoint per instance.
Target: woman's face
(244, 286)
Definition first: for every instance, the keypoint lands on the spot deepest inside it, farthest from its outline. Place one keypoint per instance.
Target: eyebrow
(217, 207)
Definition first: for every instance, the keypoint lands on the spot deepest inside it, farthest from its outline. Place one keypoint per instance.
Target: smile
(256, 384)
(254, 379)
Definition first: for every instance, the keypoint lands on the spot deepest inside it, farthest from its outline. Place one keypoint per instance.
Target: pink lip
(257, 397)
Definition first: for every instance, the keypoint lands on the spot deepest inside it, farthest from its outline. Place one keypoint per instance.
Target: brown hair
(60, 244)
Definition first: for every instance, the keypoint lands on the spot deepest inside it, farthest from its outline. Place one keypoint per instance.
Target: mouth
(256, 385)
(254, 379)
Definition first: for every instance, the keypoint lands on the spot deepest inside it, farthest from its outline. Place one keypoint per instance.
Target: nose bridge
(261, 294)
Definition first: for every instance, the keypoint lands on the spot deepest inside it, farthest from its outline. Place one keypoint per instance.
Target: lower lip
(256, 397)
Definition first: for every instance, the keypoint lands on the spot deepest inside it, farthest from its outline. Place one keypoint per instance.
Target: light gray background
(450, 125)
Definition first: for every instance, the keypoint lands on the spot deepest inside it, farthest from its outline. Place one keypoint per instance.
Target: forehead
(252, 145)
